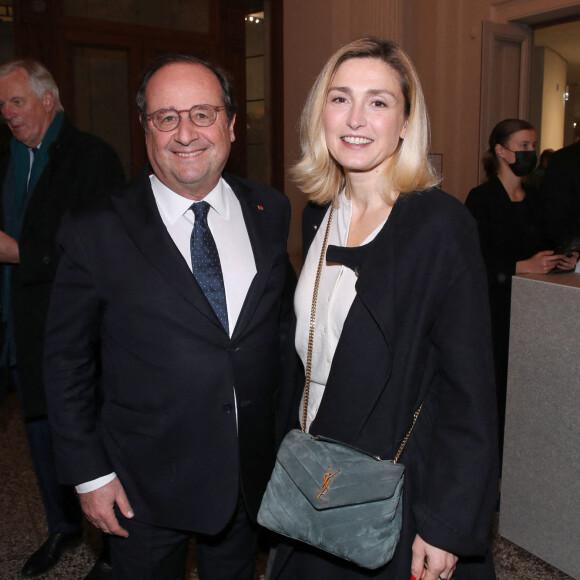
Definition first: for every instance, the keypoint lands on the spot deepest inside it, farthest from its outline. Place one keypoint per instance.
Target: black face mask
(525, 162)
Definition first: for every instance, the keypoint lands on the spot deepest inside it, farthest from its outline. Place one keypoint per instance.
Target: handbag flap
(331, 474)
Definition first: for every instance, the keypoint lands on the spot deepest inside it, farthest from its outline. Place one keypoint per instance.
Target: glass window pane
(257, 151)
(258, 165)
(255, 122)
(255, 78)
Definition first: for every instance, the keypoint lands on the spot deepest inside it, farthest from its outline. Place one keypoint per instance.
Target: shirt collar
(174, 206)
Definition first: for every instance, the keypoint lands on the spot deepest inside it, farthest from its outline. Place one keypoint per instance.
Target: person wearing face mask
(513, 240)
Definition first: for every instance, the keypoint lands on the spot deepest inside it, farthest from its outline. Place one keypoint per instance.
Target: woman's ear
(404, 130)
(499, 150)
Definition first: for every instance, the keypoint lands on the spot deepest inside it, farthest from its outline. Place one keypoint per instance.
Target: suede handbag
(333, 496)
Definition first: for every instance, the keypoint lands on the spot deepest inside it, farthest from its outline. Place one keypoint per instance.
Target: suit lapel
(140, 216)
(256, 213)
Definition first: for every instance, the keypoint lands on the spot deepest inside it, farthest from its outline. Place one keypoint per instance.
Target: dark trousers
(62, 509)
(154, 553)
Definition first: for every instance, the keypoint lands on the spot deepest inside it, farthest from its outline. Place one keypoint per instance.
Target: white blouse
(336, 294)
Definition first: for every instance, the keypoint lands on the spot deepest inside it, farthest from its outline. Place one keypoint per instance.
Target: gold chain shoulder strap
(313, 320)
(406, 438)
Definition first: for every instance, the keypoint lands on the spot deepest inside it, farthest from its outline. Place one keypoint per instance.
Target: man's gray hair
(41, 81)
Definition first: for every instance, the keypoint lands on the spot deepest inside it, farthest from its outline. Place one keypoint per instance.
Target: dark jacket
(418, 330)
(561, 195)
(508, 231)
(81, 165)
(168, 424)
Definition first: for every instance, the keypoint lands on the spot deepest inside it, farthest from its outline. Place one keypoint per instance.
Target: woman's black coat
(418, 330)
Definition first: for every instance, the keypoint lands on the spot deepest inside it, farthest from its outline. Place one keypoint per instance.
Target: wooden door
(505, 77)
(97, 50)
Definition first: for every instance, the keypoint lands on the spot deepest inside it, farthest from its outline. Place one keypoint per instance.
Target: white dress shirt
(336, 293)
(31, 161)
(228, 228)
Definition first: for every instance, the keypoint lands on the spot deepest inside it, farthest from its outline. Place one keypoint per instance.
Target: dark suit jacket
(80, 167)
(168, 423)
(561, 195)
(418, 330)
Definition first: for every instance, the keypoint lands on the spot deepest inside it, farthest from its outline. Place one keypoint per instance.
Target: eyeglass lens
(200, 115)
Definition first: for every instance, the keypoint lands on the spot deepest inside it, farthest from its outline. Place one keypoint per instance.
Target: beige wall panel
(444, 41)
(313, 30)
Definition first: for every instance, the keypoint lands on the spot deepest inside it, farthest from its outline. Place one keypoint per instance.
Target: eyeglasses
(200, 115)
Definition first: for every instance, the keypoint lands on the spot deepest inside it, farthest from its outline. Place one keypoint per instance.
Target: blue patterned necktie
(205, 263)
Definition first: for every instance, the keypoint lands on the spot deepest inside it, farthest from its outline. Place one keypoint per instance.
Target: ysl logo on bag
(326, 481)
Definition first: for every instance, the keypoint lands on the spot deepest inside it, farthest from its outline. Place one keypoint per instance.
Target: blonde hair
(320, 176)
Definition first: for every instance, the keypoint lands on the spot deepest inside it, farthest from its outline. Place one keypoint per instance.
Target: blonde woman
(402, 318)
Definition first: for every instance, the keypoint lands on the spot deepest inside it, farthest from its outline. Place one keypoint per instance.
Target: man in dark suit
(178, 281)
(561, 196)
(51, 166)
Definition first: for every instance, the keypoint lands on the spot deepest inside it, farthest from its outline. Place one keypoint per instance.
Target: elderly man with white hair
(51, 167)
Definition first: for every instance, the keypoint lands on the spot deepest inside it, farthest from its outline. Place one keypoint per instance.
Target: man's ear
(143, 123)
(231, 129)
(48, 101)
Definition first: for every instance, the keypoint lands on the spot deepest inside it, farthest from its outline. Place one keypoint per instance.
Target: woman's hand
(540, 263)
(567, 263)
(431, 563)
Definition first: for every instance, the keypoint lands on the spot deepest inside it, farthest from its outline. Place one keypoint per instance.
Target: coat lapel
(140, 216)
(376, 284)
(256, 213)
(375, 265)
(39, 198)
(366, 338)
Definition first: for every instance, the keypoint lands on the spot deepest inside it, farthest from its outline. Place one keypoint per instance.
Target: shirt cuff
(95, 483)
